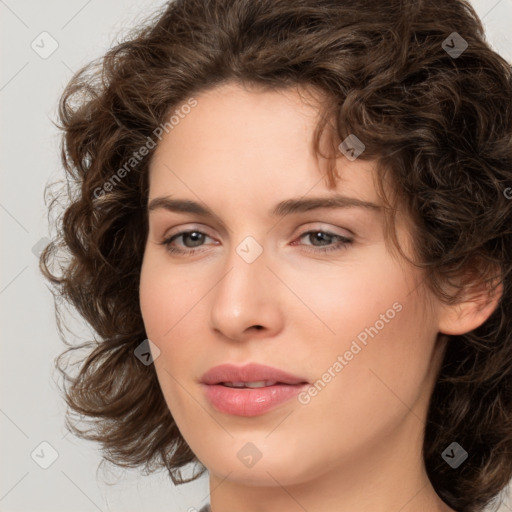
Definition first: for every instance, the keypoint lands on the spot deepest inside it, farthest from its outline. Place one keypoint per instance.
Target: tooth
(255, 384)
(260, 383)
(235, 384)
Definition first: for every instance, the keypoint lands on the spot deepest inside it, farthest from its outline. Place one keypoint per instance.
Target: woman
(291, 233)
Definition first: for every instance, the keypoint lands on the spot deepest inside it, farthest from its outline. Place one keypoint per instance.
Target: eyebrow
(283, 208)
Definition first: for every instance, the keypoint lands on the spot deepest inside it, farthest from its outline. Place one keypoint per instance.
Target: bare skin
(355, 445)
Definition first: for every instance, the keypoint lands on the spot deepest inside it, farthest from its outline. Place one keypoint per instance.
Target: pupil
(194, 234)
(319, 236)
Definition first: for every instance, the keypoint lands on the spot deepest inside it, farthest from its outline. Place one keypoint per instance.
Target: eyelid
(322, 226)
(317, 226)
(342, 244)
(184, 228)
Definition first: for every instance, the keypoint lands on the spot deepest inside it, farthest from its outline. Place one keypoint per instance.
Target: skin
(356, 446)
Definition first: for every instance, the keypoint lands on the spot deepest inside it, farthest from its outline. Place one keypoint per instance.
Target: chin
(273, 468)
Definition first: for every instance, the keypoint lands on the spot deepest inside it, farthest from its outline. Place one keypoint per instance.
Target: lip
(250, 401)
(249, 373)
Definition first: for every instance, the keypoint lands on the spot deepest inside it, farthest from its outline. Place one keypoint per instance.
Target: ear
(477, 304)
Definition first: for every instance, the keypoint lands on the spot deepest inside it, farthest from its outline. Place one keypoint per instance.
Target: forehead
(253, 141)
(243, 153)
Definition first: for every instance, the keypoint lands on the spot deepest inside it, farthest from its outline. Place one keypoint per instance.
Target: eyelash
(342, 244)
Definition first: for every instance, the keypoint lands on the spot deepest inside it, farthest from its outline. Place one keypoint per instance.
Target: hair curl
(440, 127)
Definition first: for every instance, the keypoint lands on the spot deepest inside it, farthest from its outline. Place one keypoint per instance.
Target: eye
(325, 239)
(193, 239)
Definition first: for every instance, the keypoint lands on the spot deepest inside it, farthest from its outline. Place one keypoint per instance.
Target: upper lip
(251, 372)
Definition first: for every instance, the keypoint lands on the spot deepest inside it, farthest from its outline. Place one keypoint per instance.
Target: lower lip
(250, 401)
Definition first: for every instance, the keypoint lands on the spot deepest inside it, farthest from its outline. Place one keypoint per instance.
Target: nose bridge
(245, 296)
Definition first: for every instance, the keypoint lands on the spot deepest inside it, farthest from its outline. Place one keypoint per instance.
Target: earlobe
(470, 313)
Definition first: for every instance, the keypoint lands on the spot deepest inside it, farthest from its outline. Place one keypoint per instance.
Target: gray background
(31, 409)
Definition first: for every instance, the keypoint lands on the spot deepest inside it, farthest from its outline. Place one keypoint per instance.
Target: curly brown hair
(438, 124)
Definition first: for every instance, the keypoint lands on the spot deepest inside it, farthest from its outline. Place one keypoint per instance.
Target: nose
(247, 300)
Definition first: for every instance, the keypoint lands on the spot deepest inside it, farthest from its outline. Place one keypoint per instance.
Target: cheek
(381, 330)
(384, 369)
(162, 308)
(164, 297)
(170, 303)
(152, 297)
(343, 299)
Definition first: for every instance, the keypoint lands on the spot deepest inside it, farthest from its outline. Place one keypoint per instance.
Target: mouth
(250, 390)
(256, 384)
(251, 375)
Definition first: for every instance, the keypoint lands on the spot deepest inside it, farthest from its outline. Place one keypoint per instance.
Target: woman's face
(314, 292)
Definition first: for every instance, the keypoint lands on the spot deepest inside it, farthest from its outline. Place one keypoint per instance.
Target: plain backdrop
(42, 44)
